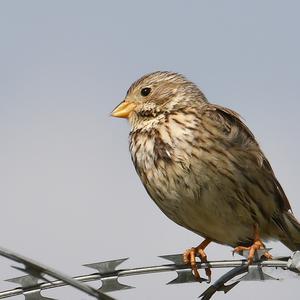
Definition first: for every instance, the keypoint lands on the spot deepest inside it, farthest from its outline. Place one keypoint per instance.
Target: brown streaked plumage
(203, 167)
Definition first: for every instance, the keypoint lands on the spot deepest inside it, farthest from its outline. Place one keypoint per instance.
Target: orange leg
(189, 257)
(257, 245)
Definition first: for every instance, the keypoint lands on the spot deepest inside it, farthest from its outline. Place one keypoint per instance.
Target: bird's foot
(189, 257)
(257, 245)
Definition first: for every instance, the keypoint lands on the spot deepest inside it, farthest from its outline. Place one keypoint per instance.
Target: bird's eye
(145, 91)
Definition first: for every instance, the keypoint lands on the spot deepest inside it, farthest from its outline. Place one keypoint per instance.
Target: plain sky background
(69, 192)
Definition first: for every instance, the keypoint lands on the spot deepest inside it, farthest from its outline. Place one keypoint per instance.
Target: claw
(257, 245)
(189, 257)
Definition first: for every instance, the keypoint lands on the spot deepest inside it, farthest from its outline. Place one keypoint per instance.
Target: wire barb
(29, 284)
(183, 275)
(111, 283)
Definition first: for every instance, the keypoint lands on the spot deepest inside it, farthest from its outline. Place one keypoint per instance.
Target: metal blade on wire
(28, 282)
(183, 275)
(109, 276)
(293, 263)
(40, 269)
(255, 272)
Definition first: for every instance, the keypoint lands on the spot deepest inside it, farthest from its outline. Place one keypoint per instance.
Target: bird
(204, 168)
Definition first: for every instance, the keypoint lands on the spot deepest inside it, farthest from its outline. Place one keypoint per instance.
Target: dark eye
(145, 91)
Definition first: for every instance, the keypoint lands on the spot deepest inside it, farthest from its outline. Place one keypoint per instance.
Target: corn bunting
(203, 167)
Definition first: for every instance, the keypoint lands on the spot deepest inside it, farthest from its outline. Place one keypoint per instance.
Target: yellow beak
(124, 109)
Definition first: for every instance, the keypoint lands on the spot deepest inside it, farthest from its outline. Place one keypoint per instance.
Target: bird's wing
(240, 136)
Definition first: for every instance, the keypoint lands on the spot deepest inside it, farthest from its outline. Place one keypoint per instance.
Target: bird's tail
(292, 238)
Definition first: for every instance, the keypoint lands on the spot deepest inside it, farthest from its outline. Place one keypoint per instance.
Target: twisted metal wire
(108, 275)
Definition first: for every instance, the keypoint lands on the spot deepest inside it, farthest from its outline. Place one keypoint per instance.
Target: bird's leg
(189, 257)
(257, 245)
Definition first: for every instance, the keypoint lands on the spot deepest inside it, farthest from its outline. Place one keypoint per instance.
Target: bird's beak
(124, 109)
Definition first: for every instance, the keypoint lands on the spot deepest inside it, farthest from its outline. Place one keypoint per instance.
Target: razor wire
(108, 275)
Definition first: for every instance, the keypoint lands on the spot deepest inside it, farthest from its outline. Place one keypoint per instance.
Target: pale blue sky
(69, 191)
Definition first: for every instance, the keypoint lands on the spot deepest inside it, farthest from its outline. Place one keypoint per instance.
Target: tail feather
(292, 237)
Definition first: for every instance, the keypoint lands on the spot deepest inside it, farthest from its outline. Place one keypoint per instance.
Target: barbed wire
(108, 275)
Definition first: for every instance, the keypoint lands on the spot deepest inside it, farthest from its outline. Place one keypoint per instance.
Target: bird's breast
(163, 158)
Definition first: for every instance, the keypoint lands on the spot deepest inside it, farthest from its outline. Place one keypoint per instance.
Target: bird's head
(157, 94)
